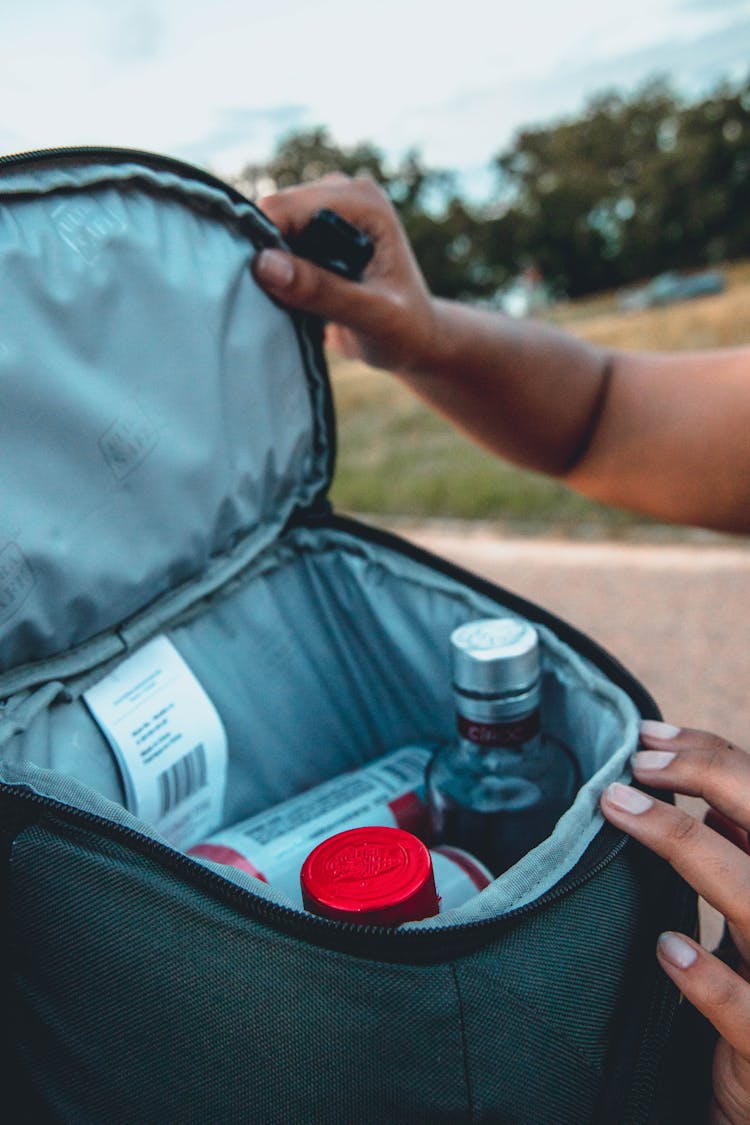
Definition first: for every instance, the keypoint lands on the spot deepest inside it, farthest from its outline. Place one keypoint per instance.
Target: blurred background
(585, 163)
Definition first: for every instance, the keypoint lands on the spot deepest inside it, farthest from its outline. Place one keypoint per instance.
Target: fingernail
(676, 950)
(275, 268)
(650, 728)
(627, 799)
(652, 759)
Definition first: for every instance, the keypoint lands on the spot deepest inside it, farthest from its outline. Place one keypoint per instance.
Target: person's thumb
(296, 282)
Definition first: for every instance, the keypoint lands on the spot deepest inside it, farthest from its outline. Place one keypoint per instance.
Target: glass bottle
(500, 788)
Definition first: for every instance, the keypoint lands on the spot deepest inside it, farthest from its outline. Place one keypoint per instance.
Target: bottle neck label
(489, 735)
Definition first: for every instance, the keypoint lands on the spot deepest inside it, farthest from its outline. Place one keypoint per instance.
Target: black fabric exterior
(658, 1069)
(135, 996)
(139, 1000)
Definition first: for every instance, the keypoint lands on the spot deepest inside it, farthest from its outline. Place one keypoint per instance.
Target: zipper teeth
(303, 924)
(262, 228)
(37, 155)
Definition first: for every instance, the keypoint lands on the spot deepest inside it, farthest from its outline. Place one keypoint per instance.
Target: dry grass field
(720, 321)
(398, 460)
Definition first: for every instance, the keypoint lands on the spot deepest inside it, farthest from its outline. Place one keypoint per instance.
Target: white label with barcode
(169, 741)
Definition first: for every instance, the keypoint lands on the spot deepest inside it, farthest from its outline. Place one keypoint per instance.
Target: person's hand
(715, 861)
(387, 318)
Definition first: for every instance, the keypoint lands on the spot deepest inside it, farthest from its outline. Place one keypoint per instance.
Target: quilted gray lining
(155, 406)
(159, 425)
(325, 653)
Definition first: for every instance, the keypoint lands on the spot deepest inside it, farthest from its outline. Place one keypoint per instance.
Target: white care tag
(168, 739)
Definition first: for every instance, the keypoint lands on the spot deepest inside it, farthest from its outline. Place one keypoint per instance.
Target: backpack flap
(161, 418)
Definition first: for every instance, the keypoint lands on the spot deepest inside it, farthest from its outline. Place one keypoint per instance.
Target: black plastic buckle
(335, 244)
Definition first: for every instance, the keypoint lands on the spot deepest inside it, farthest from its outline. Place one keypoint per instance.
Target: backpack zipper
(413, 946)
(265, 230)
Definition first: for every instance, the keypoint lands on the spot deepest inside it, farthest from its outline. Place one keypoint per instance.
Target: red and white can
(458, 875)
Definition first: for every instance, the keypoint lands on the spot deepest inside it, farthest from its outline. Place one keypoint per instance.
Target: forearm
(665, 435)
(662, 434)
(525, 390)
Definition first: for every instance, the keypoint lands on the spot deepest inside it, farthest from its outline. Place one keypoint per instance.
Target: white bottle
(273, 844)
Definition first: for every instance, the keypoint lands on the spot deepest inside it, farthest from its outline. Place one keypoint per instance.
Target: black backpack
(167, 448)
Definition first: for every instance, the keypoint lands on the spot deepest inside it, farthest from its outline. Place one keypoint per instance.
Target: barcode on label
(182, 779)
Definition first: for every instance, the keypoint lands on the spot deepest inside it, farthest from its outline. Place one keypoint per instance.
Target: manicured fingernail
(650, 728)
(627, 799)
(275, 268)
(652, 759)
(676, 950)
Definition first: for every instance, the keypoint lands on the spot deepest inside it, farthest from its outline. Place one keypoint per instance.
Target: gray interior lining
(325, 653)
(155, 406)
(160, 421)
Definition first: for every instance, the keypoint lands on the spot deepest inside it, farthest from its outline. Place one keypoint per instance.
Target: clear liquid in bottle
(499, 790)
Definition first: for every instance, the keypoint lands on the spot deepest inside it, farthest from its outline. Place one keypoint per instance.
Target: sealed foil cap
(495, 656)
(376, 876)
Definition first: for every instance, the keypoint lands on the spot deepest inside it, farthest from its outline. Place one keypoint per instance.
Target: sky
(219, 83)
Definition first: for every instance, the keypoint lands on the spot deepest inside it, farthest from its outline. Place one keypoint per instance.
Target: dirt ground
(676, 615)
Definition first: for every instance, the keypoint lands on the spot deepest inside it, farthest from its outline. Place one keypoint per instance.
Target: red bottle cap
(376, 876)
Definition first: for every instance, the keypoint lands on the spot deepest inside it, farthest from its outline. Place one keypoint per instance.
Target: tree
(574, 185)
(631, 187)
(304, 156)
(441, 228)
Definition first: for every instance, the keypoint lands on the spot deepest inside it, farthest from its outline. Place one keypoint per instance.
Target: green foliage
(634, 186)
(448, 238)
(301, 157)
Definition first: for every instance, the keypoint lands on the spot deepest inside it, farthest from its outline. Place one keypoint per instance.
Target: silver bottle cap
(497, 657)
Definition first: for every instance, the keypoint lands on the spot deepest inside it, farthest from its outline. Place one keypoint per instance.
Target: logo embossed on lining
(86, 226)
(128, 441)
(16, 580)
